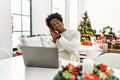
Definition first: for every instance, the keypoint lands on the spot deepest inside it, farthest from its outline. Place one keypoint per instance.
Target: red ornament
(91, 77)
(78, 67)
(87, 43)
(103, 67)
(72, 78)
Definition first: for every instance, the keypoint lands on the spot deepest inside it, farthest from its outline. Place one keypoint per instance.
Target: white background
(5, 26)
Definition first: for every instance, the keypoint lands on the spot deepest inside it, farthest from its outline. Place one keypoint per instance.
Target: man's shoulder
(73, 31)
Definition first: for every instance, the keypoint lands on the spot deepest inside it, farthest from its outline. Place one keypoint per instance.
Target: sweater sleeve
(73, 45)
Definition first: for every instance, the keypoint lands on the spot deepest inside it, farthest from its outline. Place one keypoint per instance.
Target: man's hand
(54, 34)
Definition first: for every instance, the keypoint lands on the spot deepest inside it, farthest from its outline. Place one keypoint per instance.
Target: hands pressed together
(55, 35)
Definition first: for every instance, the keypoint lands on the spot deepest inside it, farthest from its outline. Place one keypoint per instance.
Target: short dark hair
(53, 16)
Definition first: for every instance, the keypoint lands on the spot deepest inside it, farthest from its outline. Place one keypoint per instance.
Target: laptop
(44, 57)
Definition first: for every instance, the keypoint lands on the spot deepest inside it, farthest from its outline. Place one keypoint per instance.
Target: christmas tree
(85, 28)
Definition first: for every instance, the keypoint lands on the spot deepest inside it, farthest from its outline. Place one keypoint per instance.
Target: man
(67, 41)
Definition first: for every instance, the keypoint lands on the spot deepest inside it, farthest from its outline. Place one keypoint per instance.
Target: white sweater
(68, 45)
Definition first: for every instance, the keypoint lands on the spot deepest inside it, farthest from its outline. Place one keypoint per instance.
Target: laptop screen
(40, 56)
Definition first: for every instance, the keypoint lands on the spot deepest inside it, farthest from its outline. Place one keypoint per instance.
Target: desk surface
(14, 69)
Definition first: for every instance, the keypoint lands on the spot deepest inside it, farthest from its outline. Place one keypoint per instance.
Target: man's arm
(71, 45)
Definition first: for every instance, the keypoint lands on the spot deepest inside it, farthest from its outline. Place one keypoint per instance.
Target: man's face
(57, 25)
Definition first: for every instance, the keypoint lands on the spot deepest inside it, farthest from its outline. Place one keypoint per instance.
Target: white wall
(73, 24)
(103, 13)
(5, 26)
(40, 10)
